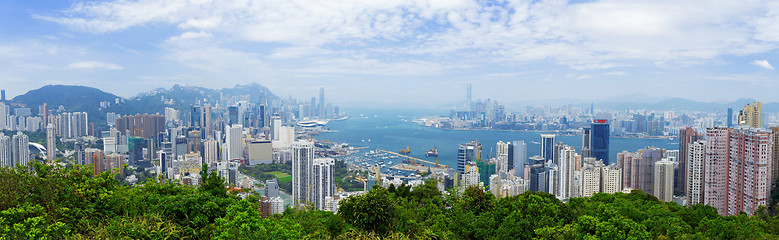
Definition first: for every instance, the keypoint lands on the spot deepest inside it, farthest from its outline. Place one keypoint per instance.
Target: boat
(432, 152)
(405, 151)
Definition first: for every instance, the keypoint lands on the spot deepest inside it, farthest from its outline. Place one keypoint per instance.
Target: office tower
(729, 120)
(322, 181)
(467, 152)
(664, 180)
(696, 156)
(687, 136)
(6, 151)
(649, 157)
(195, 117)
(322, 102)
(547, 146)
(749, 169)
(275, 127)
(775, 158)
(611, 179)
(206, 120)
(20, 149)
(232, 115)
(537, 174)
(599, 143)
(135, 146)
(2, 95)
(751, 115)
(210, 151)
(163, 160)
(502, 156)
(302, 162)
(51, 142)
(586, 145)
(715, 169)
(519, 157)
(590, 177)
(234, 142)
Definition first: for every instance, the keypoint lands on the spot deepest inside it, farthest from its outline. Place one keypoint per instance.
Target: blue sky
(398, 50)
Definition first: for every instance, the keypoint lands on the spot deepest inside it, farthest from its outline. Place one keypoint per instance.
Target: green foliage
(69, 202)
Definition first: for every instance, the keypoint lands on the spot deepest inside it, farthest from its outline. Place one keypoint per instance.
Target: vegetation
(45, 202)
(282, 171)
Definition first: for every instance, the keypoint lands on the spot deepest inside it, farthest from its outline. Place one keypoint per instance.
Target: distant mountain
(74, 99)
(182, 97)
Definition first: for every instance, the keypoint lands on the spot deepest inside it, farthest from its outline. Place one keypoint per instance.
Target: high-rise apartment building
(302, 162)
(590, 177)
(664, 180)
(323, 185)
(502, 157)
(210, 151)
(696, 157)
(630, 164)
(649, 157)
(687, 136)
(51, 142)
(751, 115)
(715, 169)
(611, 179)
(21, 149)
(749, 169)
(599, 143)
(569, 163)
(6, 151)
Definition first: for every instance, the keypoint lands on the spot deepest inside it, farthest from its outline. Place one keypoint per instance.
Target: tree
(372, 212)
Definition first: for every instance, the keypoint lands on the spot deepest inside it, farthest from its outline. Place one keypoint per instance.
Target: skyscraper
(569, 163)
(322, 102)
(696, 156)
(234, 142)
(262, 117)
(6, 151)
(611, 179)
(715, 169)
(664, 180)
(195, 117)
(467, 152)
(775, 162)
(729, 120)
(751, 115)
(649, 157)
(520, 157)
(586, 145)
(600, 140)
(749, 169)
(687, 136)
(51, 142)
(302, 162)
(547, 146)
(2, 95)
(502, 156)
(322, 181)
(45, 114)
(21, 149)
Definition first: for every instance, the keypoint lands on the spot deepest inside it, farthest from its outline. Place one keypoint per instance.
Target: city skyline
(422, 52)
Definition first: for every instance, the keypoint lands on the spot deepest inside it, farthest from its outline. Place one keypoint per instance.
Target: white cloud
(591, 35)
(94, 65)
(763, 64)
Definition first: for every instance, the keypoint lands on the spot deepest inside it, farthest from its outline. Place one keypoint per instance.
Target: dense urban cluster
(252, 167)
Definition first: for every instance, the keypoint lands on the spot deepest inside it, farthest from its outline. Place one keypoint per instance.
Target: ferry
(432, 152)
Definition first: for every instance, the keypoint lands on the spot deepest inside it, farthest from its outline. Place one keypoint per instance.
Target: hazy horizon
(400, 51)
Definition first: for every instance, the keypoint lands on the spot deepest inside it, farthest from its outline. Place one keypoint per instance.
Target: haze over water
(393, 130)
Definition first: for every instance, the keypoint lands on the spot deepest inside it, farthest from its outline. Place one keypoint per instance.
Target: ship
(432, 152)
(405, 151)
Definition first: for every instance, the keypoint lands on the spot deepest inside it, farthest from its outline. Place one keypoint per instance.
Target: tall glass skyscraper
(599, 142)
(547, 146)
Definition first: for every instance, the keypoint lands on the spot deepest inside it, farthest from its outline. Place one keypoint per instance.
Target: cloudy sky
(422, 51)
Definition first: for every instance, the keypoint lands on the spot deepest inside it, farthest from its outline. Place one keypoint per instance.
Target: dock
(419, 168)
(415, 159)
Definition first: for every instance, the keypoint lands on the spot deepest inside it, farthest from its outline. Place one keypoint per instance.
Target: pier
(413, 159)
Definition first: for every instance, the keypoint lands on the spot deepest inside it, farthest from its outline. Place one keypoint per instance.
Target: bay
(393, 130)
